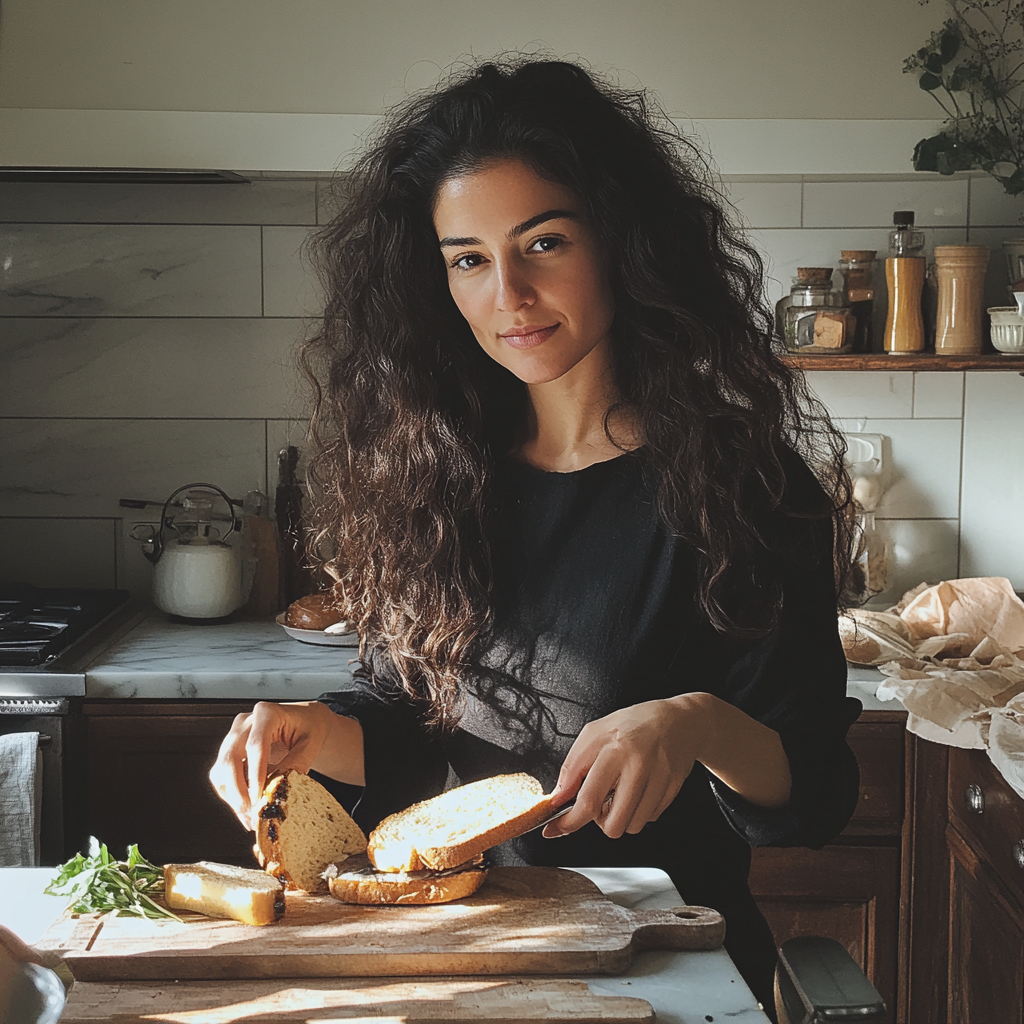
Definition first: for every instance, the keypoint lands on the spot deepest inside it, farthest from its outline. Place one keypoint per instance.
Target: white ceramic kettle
(198, 575)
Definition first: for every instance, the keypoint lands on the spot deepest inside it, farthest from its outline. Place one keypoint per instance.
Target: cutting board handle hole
(688, 913)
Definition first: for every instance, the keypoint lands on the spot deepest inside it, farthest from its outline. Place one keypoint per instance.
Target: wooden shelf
(921, 361)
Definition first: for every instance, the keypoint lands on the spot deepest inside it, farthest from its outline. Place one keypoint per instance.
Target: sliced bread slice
(302, 829)
(355, 881)
(458, 825)
(223, 890)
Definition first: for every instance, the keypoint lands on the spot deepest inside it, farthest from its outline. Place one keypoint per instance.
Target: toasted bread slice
(223, 890)
(356, 882)
(459, 825)
(302, 829)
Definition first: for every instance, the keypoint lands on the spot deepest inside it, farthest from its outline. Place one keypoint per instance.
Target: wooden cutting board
(494, 1000)
(529, 920)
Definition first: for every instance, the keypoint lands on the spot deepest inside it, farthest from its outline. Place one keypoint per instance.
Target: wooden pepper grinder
(960, 270)
(904, 275)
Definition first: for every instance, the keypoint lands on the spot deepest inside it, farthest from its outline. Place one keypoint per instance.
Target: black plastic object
(819, 982)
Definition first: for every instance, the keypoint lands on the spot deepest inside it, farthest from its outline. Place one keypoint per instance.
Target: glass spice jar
(858, 269)
(815, 320)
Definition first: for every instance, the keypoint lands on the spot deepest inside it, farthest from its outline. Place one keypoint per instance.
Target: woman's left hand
(627, 767)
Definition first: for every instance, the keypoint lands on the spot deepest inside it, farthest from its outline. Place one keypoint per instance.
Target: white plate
(318, 636)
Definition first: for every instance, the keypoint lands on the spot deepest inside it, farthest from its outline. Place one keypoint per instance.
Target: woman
(556, 457)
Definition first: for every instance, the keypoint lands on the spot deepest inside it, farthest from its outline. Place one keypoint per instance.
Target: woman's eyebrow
(518, 230)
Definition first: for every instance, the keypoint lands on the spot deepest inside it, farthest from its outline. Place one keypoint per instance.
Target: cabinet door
(146, 776)
(986, 943)
(848, 893)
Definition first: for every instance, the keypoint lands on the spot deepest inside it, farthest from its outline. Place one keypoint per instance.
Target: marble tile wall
(147, 339)
(148, 333)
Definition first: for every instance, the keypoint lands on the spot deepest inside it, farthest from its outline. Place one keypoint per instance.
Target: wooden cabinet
(986, 894)
(850, 890)
(146, 779)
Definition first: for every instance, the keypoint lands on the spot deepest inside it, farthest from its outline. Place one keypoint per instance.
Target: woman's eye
(467, 262)
(546, 244)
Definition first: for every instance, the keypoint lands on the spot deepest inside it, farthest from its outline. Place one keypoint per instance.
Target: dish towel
(21, 799)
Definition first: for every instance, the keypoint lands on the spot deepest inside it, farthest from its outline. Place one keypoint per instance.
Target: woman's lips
(530, 337)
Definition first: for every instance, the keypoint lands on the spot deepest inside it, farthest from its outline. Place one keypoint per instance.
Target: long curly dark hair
(410, 416)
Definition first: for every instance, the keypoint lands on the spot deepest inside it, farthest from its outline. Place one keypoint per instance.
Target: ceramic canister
(960, 274)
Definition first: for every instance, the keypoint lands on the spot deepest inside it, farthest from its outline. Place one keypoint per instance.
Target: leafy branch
(99, 883)
(973, 67)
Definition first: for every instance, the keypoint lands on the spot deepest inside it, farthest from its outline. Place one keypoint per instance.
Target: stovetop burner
(38, 625)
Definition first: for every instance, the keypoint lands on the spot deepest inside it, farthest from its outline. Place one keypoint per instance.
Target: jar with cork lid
(815, 320)
(960, 273)
(858, 270)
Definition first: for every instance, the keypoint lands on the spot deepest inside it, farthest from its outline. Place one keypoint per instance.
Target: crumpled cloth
(953, 655)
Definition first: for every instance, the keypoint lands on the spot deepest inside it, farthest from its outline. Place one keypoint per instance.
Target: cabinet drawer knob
(975, 798)
(1018, 853)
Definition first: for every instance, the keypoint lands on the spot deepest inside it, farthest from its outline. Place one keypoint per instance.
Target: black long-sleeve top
(595, 610)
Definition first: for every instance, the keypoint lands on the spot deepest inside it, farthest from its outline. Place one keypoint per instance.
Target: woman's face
(526, 270)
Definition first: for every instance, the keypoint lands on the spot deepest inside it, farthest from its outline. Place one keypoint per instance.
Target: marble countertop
(161, 659)
(683, 988)
(232, 660)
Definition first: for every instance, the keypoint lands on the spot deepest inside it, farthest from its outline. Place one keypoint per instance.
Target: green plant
(972, 67)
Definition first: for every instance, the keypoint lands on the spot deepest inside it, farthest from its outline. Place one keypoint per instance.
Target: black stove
(38, 625)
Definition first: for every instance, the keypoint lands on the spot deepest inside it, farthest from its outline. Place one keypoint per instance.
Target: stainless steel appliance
(47, 639)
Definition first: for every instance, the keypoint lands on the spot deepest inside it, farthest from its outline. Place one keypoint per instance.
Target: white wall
(703, 58)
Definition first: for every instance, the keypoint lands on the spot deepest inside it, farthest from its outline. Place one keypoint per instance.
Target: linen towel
(21, 798)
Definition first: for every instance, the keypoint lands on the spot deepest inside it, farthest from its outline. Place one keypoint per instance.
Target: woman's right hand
(272, 736)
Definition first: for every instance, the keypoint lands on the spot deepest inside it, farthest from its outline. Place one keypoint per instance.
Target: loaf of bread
(302, 829)
(316, 611)
(223, 890)
(458, 825)
(355, 881)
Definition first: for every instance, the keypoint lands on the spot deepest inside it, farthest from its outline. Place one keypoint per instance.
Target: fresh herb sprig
(99, 883)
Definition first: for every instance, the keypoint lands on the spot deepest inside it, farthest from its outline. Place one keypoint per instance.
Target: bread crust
(381, 887)
(391, 852)
(315, 611)
(272, 817)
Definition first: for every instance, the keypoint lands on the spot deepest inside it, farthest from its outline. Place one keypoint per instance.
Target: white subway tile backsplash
(938, 395)
(766, 204)
(58, 552)
(254, 202)
(992, 207)
(151, 335)
(992, 503)
(921, 551)
(921, 466)
(81, 467)
(290, 287)
(848, 204)
(129, 270)
(856, 395)
(141, 367)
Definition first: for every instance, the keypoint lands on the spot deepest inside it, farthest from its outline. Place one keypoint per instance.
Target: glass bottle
(815, 321)
(858, 269)
(904, 274)
(869, 568)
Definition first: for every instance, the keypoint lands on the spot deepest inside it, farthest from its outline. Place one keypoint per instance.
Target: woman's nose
(514, 289)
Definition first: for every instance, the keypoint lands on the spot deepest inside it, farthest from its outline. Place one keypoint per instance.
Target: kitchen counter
(160, 659)
(683, 988)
